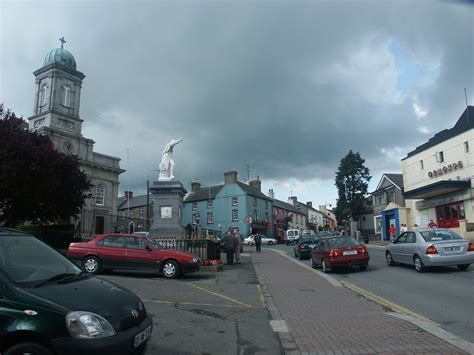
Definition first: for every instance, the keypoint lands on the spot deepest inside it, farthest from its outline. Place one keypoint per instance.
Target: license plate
(349, 252)
(141, 337)
(310, 245)
(452, 248)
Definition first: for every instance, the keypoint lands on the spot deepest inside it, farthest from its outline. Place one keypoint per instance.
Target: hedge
(56, 235)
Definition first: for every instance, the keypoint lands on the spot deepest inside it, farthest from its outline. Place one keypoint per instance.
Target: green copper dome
(62, 56)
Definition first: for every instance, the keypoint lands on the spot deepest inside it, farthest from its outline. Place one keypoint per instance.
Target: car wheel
(363, 267)
(28, 348)
(324, 266)
(170, 269)
(270, 243)
(389, 259)
(91, 264)
(419, 266)
(463, 266)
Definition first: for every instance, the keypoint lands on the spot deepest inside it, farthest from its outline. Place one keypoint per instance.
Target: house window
(466, 147)
(100, 194)
(235, 201)
(210, 219)
(195, 218)
(439, 157)
(421, 164)
(255, 201)
(195, 205)
(392, 196)
(266, 204)
(140, 213)
(123, 216)
(255, 215)
(235, 215)
(67, 96)
(380, 199)
(210, 204)
(377, 223)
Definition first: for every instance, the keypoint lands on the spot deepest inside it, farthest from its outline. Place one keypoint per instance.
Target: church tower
(56, 114)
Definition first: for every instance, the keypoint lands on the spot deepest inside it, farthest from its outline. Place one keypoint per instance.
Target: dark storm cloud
(286, 87)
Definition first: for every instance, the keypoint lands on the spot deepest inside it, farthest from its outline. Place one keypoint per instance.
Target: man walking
(238, 247)
(229, 242)
(258, 242)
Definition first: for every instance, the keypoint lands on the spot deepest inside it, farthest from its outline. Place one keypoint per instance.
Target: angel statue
(167, 163)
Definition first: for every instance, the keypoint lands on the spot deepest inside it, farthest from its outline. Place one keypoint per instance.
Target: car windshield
(28, 262)
(438, 235)
(341, 242)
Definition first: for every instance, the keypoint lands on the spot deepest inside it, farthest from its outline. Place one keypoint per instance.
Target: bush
(57, 235)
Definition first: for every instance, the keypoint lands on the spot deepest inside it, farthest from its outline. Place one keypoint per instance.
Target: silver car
(430, 247)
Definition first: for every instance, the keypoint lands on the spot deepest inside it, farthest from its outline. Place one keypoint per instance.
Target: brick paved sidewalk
(326, 319)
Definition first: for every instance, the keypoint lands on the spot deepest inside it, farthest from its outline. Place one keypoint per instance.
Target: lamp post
(148, 198)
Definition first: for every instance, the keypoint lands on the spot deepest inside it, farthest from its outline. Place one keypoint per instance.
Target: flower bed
(212, 265)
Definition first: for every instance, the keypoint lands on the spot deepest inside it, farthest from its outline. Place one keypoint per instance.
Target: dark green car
(48, 305)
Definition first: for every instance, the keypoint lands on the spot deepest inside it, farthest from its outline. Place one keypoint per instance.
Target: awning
(438, 188)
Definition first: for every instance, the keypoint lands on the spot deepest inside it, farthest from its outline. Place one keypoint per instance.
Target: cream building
(437, 178)
(56, 114)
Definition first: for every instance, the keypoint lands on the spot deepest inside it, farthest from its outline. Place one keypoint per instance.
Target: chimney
(195, 185)
(256, 183)
(271, 194)
(230, 177)
(309, 204)
(128, 195)
(292, 200)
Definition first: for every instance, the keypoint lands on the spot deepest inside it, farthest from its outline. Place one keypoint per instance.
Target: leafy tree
(37, 183)
(352, 181)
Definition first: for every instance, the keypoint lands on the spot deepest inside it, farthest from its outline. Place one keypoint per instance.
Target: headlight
(87, 325)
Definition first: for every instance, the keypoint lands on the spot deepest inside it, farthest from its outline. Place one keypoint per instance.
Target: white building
(437, 178)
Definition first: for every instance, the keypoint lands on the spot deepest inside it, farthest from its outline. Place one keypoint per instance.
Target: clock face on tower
(68, 147)
(166, 212)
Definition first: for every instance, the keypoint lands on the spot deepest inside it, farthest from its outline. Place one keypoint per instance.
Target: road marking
(261, 296)
(375, 246)
(220, 295)
(384, 302)
(331, 279)
(198, 304)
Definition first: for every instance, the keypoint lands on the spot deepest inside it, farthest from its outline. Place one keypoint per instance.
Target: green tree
(37, 183)
(352, 181)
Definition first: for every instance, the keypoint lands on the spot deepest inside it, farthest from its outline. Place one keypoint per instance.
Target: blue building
(234, 204)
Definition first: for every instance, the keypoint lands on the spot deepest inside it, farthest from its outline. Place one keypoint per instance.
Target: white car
(265, 240)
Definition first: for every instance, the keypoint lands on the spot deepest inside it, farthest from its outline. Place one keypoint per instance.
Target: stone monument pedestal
(167, 197)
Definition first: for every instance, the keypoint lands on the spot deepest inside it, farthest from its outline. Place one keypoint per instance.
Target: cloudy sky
(279, 89)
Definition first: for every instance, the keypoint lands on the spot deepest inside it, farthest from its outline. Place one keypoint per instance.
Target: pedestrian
(258, 242)
(238, 247)
(415, 226)
(392, 231)
(229, 242)
(432, 225)
(403, 228)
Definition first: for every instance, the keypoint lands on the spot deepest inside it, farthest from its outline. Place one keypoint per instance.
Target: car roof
(4, 231)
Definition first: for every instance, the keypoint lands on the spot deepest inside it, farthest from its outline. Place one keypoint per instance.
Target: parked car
(336, 251)
(135, 252)
(291, 236)
(50, 306)
(265, 240)
(305, 246)
(430, 247)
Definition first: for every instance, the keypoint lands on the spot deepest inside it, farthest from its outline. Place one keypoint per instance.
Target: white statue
(167, 163)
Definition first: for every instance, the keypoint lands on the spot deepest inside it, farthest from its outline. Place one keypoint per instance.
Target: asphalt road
(444, 295)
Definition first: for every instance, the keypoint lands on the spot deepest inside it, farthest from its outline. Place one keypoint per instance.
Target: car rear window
(340, 242)
(438, 235)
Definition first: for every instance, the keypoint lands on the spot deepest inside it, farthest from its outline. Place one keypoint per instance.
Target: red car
(125, 251)
(338, 251)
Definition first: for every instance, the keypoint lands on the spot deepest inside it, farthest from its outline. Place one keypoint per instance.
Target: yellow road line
(384, 302)
(197, 304)
(221, 295)
(260, 296)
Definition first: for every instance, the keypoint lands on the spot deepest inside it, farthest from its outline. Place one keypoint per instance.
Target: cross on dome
(62, 40)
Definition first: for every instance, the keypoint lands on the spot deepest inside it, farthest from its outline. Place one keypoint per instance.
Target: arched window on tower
(42, 97)
(100, 194)
(66, 96)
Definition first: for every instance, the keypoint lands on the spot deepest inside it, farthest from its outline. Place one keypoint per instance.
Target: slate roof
(135, 201)
(249, 190)
(465, 123)
(203, 193)
(397, 179)
(285, 206)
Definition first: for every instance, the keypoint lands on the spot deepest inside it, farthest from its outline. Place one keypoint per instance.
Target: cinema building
(437, 178)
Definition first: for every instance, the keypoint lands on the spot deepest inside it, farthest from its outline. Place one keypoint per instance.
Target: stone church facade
(56, 113)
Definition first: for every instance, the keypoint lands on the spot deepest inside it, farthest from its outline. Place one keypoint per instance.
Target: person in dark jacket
(230, 243)
(258, 242)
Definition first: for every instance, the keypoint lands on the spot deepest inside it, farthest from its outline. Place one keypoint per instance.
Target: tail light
(333, 252)
(363, 251)
(301, 246)
(431, 250)
(470, 247)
